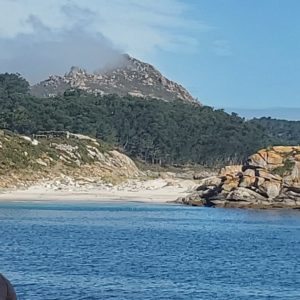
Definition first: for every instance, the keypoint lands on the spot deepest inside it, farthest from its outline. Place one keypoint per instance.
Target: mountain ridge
(130, 77)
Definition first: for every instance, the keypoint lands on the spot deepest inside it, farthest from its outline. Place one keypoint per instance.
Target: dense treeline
(280, 131)
(153, 130)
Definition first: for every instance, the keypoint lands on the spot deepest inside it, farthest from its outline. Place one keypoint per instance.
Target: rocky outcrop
(269, 179)
(130, 77)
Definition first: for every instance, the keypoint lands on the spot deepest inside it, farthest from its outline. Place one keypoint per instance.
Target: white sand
(151, 191)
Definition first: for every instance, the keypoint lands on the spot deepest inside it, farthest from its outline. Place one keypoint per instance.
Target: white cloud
(136, 26)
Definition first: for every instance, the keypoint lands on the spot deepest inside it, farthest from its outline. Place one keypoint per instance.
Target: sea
(82, 250)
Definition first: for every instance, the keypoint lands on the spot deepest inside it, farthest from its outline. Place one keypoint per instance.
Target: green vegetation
(281, 132)
(287, 168)
(151, 130)
(16, 153)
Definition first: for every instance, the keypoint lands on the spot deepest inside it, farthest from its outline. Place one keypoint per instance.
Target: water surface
(139, 251)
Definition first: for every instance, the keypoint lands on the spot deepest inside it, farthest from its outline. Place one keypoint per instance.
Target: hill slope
(155, 131)
(24, 160)
(280, 131)
(130, 77)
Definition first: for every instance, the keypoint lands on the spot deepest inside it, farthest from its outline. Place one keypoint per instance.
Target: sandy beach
(150, 191)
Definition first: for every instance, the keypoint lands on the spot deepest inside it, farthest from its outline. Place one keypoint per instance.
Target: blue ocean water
(139, 251)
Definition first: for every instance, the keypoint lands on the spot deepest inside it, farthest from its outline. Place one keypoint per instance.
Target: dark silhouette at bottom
(7, 292)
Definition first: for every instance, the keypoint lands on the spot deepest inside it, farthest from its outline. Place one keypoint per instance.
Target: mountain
(130, 77)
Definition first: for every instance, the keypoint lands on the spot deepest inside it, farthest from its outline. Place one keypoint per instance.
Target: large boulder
(270, 188)
(210, 182)
(230, 184)
(269, 178)
(286, 150)
(266, 159)
(244, 194)
(228, 170)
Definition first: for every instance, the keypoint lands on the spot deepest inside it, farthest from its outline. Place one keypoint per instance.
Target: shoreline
(150, 191)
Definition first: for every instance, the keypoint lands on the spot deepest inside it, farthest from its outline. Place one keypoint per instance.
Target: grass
(285, 169)
(18, 154)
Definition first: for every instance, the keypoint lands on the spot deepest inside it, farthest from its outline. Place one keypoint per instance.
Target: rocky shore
(269, 178)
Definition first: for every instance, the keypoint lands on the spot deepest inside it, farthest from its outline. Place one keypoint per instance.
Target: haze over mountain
(218, 52)
(129, 77)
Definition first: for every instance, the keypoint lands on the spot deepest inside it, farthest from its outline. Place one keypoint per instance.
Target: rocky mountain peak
(129, 77)
(75, 71)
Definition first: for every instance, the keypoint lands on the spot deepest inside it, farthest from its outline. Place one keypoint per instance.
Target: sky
(232, 54)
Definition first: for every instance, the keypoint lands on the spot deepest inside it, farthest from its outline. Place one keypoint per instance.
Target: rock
(247, 181)
(296, 172)
(265, 159)
(273, 158)
(230, 185)
(249, 173)
(194, 197)
(285, 150)
(292, 176)
(271, 188)
(82, 137)
(210, 181)
(94, 153)
(269, 176)
(204, 174)
(34, 142)
(41, 162)
(124, 163)
(257, 161)
(131, 77)
(26, 138)
(229, 170)
(244, 194)
(269, 179)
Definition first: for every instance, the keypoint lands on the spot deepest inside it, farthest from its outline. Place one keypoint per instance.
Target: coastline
(150, 191)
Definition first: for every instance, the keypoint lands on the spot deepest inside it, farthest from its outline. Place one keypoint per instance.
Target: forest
(151, 130)
(280, 131)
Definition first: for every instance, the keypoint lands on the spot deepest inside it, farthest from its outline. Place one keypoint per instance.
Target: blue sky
(249, 59)
(228, 53)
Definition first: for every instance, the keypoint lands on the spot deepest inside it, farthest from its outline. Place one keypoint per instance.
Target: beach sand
(150, 191)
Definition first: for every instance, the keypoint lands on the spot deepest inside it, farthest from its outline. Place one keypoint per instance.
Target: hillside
(154, 131)
(129, 77)
(24, 160)
(280, 131)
